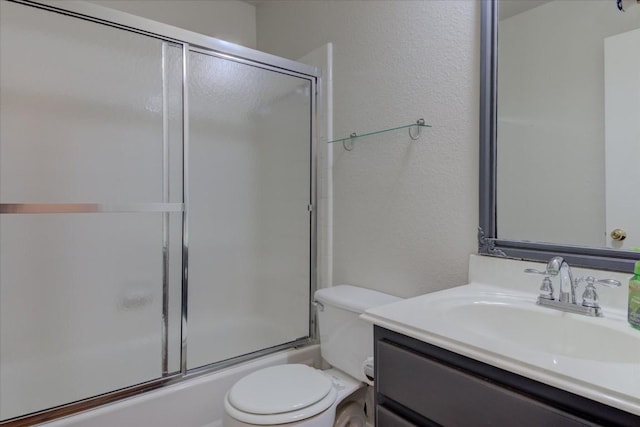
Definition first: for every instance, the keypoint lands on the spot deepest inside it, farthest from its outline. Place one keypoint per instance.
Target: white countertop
(614, 383)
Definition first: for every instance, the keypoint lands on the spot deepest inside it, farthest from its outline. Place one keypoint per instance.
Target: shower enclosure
(156, 205)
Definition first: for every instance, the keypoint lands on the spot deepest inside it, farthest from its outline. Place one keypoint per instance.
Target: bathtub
(195, 402)
(54, 378)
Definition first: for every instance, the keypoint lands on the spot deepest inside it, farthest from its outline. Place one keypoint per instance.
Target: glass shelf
(419, 124)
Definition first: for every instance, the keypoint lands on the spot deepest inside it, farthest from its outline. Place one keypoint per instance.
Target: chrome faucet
(558, 266)
(566, 301)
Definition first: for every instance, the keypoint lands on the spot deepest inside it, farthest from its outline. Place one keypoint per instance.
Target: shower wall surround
(155, 196)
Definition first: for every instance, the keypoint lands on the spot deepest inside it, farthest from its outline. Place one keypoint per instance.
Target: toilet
(299, 395)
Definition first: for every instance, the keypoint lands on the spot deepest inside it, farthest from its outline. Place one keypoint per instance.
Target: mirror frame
(488, 241)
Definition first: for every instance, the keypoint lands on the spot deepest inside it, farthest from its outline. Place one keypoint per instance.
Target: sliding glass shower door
(91, 196)
(155, 206)
(248, 208)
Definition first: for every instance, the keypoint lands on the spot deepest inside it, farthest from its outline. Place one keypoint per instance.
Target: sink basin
(545, 330)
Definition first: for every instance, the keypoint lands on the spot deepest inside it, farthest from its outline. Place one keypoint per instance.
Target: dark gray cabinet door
(451, 397)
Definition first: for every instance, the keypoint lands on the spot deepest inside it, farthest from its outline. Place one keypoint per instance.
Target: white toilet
(298, 395)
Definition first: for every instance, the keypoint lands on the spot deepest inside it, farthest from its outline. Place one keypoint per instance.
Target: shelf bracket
(347, 142)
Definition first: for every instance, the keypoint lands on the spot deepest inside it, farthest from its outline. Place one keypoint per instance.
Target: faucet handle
(546, 287)
(609, 283)
(590, 296)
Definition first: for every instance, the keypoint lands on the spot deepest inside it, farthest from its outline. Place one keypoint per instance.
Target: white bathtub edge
(196, 402)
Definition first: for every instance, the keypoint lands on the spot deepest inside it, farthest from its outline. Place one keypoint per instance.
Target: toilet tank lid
(353, 298)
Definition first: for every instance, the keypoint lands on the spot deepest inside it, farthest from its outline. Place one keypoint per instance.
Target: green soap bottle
(634, 298)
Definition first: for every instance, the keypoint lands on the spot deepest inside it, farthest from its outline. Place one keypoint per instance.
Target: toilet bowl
(299, 395)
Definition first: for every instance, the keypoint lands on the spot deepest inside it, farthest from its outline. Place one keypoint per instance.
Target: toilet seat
(280, 394)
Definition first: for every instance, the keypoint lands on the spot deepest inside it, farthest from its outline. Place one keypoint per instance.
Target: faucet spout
(557, 266)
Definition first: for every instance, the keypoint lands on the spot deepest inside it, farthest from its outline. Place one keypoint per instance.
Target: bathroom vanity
(421, 384)
(486, 354)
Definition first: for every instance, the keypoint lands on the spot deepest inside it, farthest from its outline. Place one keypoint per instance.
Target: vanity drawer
(453, 397)
(386, 418)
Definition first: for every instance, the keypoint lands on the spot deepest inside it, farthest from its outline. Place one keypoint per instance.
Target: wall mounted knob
(618, 234)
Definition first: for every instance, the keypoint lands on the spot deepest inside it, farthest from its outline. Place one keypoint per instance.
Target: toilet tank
(346, 342)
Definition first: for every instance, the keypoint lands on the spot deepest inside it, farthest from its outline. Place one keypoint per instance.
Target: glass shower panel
(249, 224)
(91, 116)
(80, 306)
(82, 110)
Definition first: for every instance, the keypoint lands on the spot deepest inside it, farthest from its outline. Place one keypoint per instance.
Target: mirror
(560, 131)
